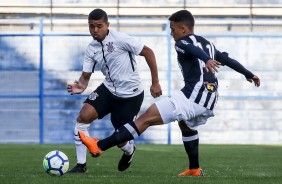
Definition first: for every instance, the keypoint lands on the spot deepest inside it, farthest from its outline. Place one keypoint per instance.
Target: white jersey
(115, 57)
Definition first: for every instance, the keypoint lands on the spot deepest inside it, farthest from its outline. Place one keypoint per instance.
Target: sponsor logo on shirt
(110, 47)
(179, 50)
(211, 87)
(184, 42)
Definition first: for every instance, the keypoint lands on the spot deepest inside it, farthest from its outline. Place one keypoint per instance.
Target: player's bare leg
(150, 118)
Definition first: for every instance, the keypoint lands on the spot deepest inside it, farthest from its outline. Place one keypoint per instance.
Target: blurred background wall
(42, 44)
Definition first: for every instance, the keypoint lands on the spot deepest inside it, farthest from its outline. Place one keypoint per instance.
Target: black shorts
(122, 110)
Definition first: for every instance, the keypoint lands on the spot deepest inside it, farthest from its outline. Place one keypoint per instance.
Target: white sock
(81, 152)
(128, 148)
(81, 149)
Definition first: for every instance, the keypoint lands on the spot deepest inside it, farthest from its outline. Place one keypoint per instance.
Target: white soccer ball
(56, 163)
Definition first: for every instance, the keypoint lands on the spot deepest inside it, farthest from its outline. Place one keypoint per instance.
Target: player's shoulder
(201, 38)
(92, 44)
(117, 34)
(183, 41)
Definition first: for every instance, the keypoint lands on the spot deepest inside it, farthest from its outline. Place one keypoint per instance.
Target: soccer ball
(56, 163)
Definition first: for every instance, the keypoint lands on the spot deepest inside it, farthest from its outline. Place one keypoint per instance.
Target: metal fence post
(168, 36)
(41, 85)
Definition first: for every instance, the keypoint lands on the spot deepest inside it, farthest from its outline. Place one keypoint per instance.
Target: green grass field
(226, 164)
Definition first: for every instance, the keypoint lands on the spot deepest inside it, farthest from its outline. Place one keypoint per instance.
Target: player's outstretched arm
(224, 59)
(149, 56)
(79, 86)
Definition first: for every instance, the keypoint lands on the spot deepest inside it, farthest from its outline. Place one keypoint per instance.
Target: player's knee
(119, 137)
(121, 144)
(145, 120)
(81, 127)
(185, 130)
(183, 127)
(83, 119)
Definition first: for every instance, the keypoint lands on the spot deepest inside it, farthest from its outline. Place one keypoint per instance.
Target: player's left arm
(150, 58)
(224, 59)
(131, 44)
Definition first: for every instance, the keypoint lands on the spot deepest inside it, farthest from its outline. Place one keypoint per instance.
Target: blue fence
(35, 107)
(41, 94)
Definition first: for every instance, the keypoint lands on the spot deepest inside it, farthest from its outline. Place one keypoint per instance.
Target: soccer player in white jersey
(121, 93)
(193, 104)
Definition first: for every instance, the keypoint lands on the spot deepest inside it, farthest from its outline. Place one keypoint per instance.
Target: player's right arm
(79, 85)
(88, 68)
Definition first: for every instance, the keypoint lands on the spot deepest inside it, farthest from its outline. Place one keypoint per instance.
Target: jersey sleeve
(184, 47)
(224, 59)
(131, 44)
(88, 62)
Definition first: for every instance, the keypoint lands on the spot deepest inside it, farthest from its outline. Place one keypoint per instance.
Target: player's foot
(126, 160)
(91, 144)
(79, 168)
(192, 172)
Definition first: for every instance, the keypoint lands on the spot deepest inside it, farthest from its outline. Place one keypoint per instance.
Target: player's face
(178, 30)
(98, 29)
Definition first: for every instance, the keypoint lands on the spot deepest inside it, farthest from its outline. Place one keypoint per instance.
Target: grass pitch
(251, 164)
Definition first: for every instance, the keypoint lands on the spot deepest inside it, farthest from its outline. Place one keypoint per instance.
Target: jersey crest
(110, 47)
(93, 96)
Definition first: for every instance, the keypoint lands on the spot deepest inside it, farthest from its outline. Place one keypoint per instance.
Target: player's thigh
(151, 117)
(125, 110)
(166, 109)
(100, 100)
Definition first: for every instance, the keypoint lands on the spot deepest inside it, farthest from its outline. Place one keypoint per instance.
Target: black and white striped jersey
(115, 57)
(201, 86)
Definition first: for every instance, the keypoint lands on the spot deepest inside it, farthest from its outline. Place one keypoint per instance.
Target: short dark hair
(183, 16)
(98, 14)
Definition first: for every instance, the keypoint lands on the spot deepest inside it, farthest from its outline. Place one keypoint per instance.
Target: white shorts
(178, 107)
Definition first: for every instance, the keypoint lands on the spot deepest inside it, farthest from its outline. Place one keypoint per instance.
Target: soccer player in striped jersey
(121, 93)
(193, 104)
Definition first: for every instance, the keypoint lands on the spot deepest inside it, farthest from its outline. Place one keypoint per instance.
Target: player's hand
(212, 65)
(156, 90)
(255, 79)
(75, 88)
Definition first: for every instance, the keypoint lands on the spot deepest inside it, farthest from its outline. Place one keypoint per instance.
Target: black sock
(125, 133)
(191, 145)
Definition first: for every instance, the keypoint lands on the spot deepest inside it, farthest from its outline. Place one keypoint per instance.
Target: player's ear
(184, 29)
(189, 29)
